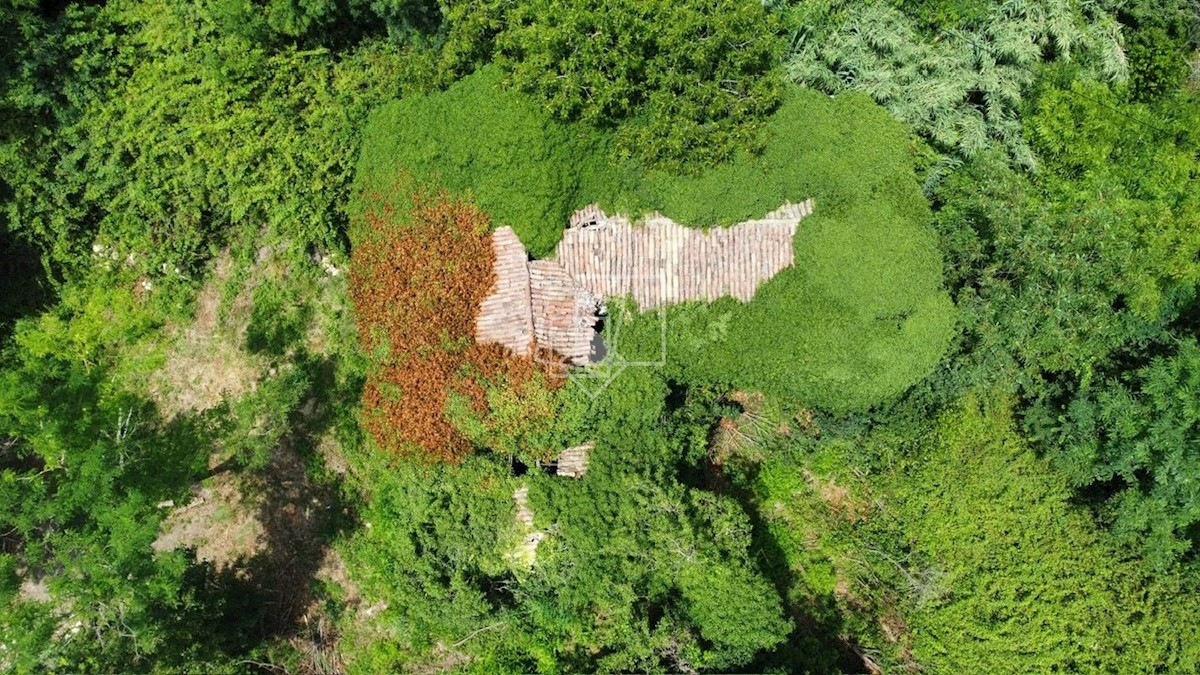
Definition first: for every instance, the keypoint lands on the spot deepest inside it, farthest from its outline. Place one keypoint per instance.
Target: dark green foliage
(1073, 278)
(1134, 434)
(1161, 38)
(686, 83)
(27, 289)
(1157, 65)
(945, 14)
(335, 23)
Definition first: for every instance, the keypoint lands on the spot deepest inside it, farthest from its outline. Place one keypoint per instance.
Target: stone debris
(573, 462)
(526, 552)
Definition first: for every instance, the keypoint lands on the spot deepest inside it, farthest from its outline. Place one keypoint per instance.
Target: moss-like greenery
(481, 140)
(860, 318)
(863, 314)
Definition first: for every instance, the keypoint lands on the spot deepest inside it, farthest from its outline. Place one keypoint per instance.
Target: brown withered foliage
(417, 279)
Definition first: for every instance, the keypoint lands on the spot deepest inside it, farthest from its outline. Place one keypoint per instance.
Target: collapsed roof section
(553, 303)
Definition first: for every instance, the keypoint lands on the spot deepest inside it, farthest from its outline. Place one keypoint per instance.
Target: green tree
(1131, 437)
(84, 462)
(962, 86)
(1078, 276)
(686, 83)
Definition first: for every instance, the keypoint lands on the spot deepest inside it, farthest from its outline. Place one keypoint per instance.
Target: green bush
(863, 314)
(1132, 437)
(481, 140)
(175, 139)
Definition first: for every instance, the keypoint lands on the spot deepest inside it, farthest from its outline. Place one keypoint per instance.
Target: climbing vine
(417, 278)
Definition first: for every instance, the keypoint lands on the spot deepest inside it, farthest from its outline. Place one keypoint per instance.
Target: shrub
(969, 551)
(527, 417)
(479, 141)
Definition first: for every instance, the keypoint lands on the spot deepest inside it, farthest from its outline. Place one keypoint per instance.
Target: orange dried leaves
(417, 280)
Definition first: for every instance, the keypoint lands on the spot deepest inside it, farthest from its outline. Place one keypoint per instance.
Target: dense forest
(245, 425)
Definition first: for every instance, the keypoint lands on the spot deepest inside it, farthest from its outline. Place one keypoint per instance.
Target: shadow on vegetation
(816, 643)
(24, 288)
(273, 596)
(302, 510)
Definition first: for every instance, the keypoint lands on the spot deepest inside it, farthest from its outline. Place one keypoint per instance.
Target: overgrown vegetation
(244, 426)
(859, 320)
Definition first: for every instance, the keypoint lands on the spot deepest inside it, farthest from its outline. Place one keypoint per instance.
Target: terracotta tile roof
(658, 263)
(661, 262)
(504, 317)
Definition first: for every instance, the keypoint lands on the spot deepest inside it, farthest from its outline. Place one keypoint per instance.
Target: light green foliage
(860, 318)
(963, 86)
(529, 421)
(727, 600)
(478, 139)
(969, 548)
(432, 549)
(686, 83)
(862, 315)
(85, 460)
(1133, 166)
(693, 567)
(1029, 584)
(88, 467)
(202, 134)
